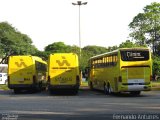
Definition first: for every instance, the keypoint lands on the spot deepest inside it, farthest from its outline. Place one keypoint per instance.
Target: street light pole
(79, 3)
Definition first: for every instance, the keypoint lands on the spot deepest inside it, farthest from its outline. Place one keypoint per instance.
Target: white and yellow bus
(26, 73)
(122, 70)
(63, 72)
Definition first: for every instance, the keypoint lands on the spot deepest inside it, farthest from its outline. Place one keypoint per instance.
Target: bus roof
(115, 51)
(63, 54)
(33, 57)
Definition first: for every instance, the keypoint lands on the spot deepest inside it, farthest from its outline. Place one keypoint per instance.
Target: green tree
(129, 44)
(112, 48)
(58, 47)
(89, 51)
(12, 42)
(156, 66)
(42, 54)
(94, 50)
(145, 26)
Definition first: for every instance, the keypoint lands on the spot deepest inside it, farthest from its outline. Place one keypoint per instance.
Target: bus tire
(53, 91)
(75, 91)
(40, 87)
(107, 89)
(16, 91)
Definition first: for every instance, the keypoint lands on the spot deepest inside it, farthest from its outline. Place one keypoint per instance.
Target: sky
(103, 22)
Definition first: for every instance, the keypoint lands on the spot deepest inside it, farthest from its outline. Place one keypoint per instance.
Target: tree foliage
(130, 44)
(111, 48)
(145, 26)
(58, 47)
(12, 42)
(156, 66)
(89, 51)
(94, 50)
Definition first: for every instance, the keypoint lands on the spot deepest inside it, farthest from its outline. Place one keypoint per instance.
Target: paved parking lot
(86, 105)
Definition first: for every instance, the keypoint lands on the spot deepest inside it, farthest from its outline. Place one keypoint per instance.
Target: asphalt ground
(86, 105)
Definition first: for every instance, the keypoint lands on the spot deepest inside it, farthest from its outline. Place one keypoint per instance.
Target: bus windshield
(134, 55)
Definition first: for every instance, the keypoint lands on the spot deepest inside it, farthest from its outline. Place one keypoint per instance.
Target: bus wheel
(107, 89)
(135, 92)
(51, 91)
(75, 91)
(16, 91)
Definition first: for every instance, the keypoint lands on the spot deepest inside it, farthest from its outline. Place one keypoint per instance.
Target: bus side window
(95, 64)
(107, 61)
(40, 66)
(114, 62)
(111, 61)
(99, 63)
(104, 62)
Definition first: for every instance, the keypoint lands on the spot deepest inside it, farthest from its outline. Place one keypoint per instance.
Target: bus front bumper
(129, 88)
(50, 87)
(21, 86)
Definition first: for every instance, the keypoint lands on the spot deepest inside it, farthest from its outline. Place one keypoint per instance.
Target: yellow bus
(63, 72)
(26, 73)
(122, 70)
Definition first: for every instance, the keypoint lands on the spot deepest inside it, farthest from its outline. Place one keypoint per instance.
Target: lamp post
(79, 3)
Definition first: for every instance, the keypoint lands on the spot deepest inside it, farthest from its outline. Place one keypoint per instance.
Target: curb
(155, 88)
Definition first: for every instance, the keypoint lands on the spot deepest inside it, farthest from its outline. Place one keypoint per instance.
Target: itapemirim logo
(21, 63)
(63, 62)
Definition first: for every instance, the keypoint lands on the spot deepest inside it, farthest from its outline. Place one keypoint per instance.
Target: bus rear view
(63, 72)
(136, 70)
(26, 73)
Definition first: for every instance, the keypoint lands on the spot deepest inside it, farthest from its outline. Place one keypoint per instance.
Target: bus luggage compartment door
(136, 77)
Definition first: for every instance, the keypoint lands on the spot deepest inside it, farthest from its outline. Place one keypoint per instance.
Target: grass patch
(84, 83)
(4, 87)
(156, 84)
